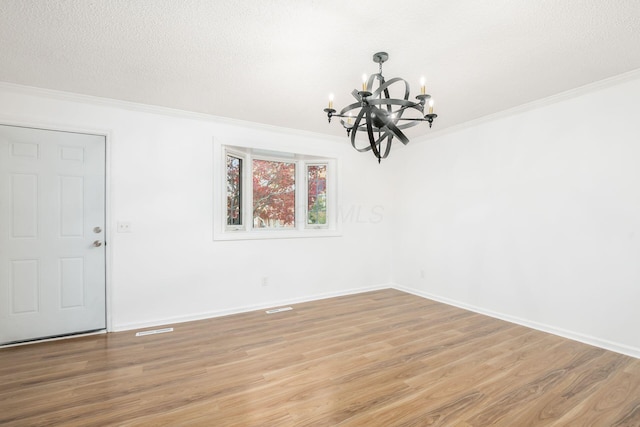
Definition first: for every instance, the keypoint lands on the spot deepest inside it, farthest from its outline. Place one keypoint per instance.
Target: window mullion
(301, 193)
(248, 193)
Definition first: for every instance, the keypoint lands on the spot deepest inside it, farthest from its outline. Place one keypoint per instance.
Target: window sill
(275, 234)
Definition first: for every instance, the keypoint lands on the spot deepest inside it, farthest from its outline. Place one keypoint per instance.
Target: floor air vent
(155, 331)
(278, 310)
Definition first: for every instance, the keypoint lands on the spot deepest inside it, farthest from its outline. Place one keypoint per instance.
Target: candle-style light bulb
(423, 88)
(431, 106)
(364, 82)
(330, 100)
(349, 119)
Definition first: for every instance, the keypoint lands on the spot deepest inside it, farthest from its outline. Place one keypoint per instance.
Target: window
(274, 194)
(271, 194)
(234, 190)
(317, 194)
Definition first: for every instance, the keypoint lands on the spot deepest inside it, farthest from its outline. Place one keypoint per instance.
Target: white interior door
(52, 220)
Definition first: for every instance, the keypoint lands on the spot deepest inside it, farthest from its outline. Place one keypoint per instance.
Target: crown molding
(191, 115)
(538, 103)
(156, 109)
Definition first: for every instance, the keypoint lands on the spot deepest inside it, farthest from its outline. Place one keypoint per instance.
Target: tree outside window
(270, 194)
(274, 197)
(234, 190)
(317, 194)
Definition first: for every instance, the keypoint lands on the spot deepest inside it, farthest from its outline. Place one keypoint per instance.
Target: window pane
(317, 194)
(234, 190)
(274, 195)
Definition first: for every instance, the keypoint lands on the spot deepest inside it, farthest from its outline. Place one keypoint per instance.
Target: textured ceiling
(275, 61)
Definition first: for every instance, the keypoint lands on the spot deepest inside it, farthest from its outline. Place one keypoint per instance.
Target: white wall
(161, 180)
(533, 216)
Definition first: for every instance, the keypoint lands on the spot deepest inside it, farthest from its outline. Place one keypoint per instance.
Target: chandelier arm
(411, 123)
(354, 130)
(345, 110)
(394, 101)
(387, 96)
(348, 108)
(389, 126)
(411, 120)
(404, 105)
(403, 126)
(397, 114)
(415, 105)
(388, 101)
(398, 133)
(388, 147)
(372, 141)
(385, 84)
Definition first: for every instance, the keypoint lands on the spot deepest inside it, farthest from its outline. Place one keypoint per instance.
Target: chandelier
(378, 115)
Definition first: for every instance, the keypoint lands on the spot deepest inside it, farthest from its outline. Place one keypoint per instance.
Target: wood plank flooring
(383, 358)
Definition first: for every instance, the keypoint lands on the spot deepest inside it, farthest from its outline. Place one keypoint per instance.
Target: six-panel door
(52, 221)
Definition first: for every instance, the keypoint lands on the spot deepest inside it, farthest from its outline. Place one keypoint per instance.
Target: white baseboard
(586, 339)
(243, 309)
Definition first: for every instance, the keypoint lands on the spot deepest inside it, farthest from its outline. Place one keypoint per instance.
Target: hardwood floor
(381, 358)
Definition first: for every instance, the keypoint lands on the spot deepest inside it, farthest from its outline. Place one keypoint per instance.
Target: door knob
(97, 243)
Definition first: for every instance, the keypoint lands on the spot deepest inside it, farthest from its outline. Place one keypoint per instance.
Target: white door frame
(109, 231)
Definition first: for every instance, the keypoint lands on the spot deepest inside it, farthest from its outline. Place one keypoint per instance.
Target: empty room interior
(304, 213)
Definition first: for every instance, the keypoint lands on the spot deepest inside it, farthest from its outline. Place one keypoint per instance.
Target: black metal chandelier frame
(379, 115)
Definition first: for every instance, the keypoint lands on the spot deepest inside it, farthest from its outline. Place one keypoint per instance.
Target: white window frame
(306, 194)
(246, 231)
(243, 203)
